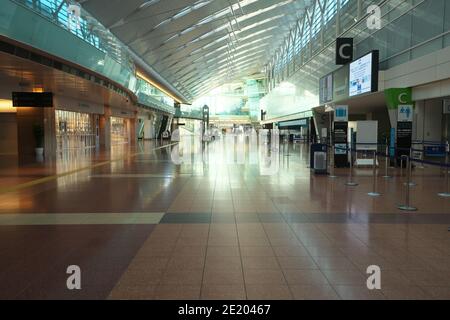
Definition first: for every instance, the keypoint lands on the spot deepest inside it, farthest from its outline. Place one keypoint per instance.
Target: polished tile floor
(154, 223)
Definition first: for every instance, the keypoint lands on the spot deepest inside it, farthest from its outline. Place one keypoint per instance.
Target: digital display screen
(361, 75)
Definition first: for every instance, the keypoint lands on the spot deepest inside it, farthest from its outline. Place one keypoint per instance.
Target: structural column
(105, 129)
(27, 119)
(176, 119)
(133, 129)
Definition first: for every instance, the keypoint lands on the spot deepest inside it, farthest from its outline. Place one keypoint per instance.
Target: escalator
(140, 129)
(163, 126)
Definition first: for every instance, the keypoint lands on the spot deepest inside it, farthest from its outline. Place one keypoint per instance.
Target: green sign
(398, 96)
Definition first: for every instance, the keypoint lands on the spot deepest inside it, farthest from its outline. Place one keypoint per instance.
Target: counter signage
(340, 144)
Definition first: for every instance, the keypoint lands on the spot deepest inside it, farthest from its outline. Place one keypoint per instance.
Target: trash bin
(318, 161)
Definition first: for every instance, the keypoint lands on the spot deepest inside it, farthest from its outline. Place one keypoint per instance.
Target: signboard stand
(404, 131)
(340, 139)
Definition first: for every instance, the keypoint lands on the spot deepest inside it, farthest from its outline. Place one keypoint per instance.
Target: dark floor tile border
(271, 217)
(223, 218)
(247, 218)
(363, 218)
(387, 218)
(186, 218)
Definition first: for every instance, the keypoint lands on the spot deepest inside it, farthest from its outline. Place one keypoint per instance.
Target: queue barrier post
(386, 169)
(332, 175)
(402, 159)
(407, 206)
(446, 194)
(350, 182)
(374, 192)
(409, 167)
(422, 156)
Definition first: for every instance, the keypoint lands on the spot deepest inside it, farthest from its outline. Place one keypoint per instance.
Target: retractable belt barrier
(405, 159)
(387, 155)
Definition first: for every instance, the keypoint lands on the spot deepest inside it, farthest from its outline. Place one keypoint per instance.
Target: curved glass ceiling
(196, 44)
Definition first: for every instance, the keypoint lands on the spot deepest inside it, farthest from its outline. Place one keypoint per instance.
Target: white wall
(428, 75)
(428, 120)
(148, 129)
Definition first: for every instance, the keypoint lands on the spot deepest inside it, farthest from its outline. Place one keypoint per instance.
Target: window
(308, 30)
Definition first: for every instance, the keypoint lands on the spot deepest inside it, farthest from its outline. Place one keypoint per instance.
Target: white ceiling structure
(197, 45)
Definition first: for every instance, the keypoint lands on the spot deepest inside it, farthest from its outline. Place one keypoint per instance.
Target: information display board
(363, 75)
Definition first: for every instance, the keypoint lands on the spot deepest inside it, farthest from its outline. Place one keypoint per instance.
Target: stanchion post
(351, 183)
(386, 169)
(446, 194)
(374, 192)
(422, 156)
(332, 175)
(401, 165)
(409, 168)
(407, 206)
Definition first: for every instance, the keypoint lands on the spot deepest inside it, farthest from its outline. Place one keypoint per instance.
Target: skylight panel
(148, 4)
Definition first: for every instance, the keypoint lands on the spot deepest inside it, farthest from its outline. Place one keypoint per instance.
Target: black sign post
(404, 139)
(344, 51)
(340, 139)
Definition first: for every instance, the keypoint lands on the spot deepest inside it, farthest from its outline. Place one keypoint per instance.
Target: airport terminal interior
(225, 149)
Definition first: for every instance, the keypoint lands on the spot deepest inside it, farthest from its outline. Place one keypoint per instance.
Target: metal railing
(87, 28)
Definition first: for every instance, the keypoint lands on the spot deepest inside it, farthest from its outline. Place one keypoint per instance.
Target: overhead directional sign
(344, 51)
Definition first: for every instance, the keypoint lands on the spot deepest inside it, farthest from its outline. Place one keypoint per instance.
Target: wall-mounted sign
(405, 113)
(434, 151)
(341, 113)
(293, 123)
(344, 50)
(32, 99)
(364, 74)
(398, 96)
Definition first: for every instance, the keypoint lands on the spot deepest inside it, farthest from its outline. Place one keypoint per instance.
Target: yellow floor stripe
(56, 176)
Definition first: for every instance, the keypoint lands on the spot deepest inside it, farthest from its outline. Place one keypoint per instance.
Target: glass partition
(119, 131)
(74, 130)
(69, 32)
